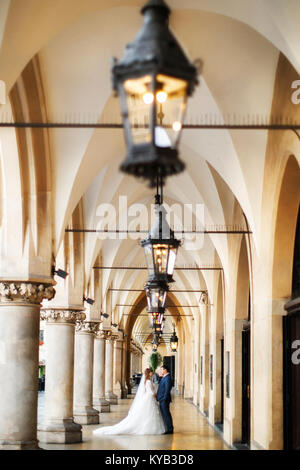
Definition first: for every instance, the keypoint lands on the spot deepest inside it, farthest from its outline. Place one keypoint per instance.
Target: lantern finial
(156, 4)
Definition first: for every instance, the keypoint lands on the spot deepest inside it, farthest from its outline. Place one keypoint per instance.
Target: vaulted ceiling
(239, 42)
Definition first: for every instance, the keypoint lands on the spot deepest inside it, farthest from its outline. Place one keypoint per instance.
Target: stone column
(117, 369)
(19, 362)
(124, 371)
(84, 413)
(99, 402)
(58, 425)
(110, 396)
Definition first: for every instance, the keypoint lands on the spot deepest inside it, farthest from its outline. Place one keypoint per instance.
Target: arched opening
(242, 390)
(285, 391)
(291, 328)
(219, 366)
(177, 314)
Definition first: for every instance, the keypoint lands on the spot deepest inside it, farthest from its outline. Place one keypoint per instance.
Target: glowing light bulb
(148, 98)
(177, 126)
(161, 96)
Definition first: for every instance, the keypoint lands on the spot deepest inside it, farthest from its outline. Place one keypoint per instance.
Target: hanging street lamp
(174, 341)
(156, 293)
(155, 342)
(155, 318)
(160, 248)
(153, 79)
(158, 325)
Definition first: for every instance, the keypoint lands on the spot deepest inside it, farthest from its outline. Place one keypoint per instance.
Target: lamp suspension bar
(116, 231)
(78, 125)
(143, 290)
(147, 315)
(145, 268)
(167, 306)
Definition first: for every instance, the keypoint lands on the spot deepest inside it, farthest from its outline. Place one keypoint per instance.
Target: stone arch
(243, 284)
(241, 318)
(28, 104)
(218, 396)
(285, 230)
(136, 310)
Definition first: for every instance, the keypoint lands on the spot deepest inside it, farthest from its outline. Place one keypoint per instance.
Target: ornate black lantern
(153, 79)
(156, 293)
(158, 324)
(174, 341)
(155, 342)
(155, 318)
(160, 248)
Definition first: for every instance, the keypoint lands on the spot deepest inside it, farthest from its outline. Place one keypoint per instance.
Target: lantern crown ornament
(154, 79)
(160, 248)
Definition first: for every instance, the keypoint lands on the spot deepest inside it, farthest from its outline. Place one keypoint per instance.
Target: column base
(101, 405)
(111, 398)
(60, 432)
(86, 415)
(32, 445)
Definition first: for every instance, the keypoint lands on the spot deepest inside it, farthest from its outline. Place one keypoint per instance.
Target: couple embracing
(150, 411)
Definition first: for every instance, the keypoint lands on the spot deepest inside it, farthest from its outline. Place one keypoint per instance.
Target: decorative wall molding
(29, 292)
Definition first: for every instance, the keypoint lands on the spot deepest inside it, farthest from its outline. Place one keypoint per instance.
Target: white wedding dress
(144, 416)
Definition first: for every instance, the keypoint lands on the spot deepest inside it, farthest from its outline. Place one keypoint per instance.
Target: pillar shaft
(84, 413)
(58, 425)
(99, 401)
(124, 372)
(19, 362)
(117, 369)
(110, 396)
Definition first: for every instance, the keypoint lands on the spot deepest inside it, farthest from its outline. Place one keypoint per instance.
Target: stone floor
(192, 432)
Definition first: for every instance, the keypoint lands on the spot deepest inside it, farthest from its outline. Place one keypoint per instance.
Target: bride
(144, 416)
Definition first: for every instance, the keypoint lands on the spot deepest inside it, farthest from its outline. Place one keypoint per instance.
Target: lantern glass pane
(160, 253)
(155, 299)
(171, 100)
(140, 100)
(172, 260)
(149, 258)
(163, 298)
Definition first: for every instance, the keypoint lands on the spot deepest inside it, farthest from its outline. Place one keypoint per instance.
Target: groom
(164, 398)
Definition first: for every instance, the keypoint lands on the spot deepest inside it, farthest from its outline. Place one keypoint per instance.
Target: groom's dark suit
(164, 398)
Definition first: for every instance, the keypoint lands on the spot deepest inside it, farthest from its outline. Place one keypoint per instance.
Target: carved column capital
(100, 334)
(106, 334)
(62, 315)
(29, 292)
(87, 327)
